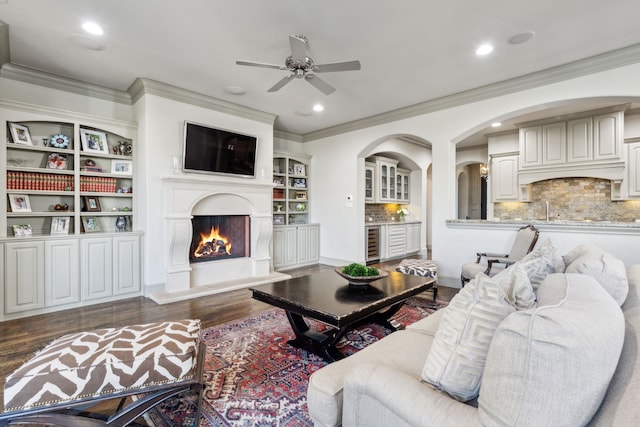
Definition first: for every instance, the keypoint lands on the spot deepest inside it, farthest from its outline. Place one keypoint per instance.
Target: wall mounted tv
(218, 151)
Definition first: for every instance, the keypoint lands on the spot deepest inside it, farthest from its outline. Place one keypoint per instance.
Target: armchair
(491, 263)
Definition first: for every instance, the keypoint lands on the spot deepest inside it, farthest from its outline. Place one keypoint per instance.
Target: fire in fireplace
(218, 237)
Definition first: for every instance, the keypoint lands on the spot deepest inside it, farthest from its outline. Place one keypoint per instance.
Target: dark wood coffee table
(329, 298)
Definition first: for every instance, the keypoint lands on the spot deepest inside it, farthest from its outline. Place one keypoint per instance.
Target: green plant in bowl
(359, 270)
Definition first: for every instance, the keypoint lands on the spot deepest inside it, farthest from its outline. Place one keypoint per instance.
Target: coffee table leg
(322, 344)
(383, 318)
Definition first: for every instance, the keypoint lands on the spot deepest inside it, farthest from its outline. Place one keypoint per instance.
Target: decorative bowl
(362, 280)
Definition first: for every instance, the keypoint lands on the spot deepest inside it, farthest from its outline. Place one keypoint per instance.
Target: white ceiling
(411, 51)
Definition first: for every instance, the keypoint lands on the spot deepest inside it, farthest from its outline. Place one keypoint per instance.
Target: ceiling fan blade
(260, 64)
(337, 66)
(320, 84)
(298, 47)
(281, 83)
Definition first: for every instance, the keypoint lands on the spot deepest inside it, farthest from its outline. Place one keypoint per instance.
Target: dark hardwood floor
(21, 338)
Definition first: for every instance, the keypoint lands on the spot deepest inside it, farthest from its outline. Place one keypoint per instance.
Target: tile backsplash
(571, 199)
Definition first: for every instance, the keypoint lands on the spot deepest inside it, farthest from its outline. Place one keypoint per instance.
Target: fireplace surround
(187, 196)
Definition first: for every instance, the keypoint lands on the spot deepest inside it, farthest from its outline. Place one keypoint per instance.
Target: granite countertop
(538, 223)
(379, 223)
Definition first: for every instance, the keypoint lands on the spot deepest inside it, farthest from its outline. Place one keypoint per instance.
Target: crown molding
(143, 86)
(54, 81)
(289, 136)
(606, 61)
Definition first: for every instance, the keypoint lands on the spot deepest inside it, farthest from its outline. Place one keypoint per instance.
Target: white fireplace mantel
(186, 196)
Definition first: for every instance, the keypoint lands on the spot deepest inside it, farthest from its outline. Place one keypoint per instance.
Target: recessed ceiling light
(496, 124)
(318, 107)
(92, 28)
(235, 90)
(484, 49)
(521, 38)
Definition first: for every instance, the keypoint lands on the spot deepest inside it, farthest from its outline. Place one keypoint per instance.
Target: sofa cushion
(541, 262)
(552, 365)
(456, 360)
(404, 350)
(608, 270)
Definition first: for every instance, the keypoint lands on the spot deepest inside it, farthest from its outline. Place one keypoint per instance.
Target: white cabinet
(61, 272)
(543, 145)
(24, 276)
(295, 245)
(369, 182)
(386, 180)
(402, 186)
(399, 240)
(580, 140)
(126, 267)
(97, 268)
(607, 136)
(504, 178)
(633, 169)
(531, 147)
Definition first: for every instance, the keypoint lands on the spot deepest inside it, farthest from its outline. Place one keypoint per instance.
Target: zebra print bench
(76, 371)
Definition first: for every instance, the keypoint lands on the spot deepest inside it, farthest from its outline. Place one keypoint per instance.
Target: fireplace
(218, 237)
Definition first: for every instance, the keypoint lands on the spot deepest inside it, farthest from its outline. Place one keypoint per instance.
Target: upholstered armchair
(491, 263)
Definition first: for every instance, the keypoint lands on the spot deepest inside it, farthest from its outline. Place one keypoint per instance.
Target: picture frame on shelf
(301, 195)
(94, 141)
(22, 230)
(19, 203)
(92, 204)
(20, 134)
(300, 182)
(90, 224)
(57, 161)
(278, 219)
(60, 225)
(299, 169)
(122, 167)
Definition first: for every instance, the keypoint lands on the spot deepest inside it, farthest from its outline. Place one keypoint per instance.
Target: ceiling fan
(302, 66)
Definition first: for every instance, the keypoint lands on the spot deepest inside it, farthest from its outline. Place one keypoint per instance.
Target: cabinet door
(369, 183)
(285, 241)
(554, 144)
(279, 245)
(504, 178)
(24, 276)
(633, 168)
(97, 268)
(314, 243)
(61, 272)
(531, 147)
(607, 140)
(302, 243)
(383, 183)
(413, 238)
(405, 188)
(580, 140)
(126, 268)
(397, 240)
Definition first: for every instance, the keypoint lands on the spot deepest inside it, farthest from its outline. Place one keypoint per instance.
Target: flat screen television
(218, 151)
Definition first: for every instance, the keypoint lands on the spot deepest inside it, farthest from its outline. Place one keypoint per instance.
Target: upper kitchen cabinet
(369, 182)
(608, 136)
(385, 181)
(504, 178)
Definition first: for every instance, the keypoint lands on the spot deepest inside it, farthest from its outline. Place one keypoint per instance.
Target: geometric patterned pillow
(541, 262)
(458, 353)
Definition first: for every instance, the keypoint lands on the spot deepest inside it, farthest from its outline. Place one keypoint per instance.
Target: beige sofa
(571, 360)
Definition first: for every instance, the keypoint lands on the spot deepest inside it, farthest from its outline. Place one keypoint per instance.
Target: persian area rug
(254, 378)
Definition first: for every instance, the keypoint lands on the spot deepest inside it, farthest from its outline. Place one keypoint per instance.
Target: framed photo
(122, 167)
(20, 134)
(57, 161)
(92, 204)
(278, 219)
(300, 183)
(19, 203)
(90, 224)
(301, 195)
(94, 141)
(299, 169)
(60, 225)
(22, 230)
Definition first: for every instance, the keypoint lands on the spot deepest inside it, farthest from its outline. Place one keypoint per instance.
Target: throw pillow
(457, 355)
(517, 287)
(608, 270)
(541, 262)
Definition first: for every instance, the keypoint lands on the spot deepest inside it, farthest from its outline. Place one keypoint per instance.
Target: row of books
(55, 182)
(39, 181)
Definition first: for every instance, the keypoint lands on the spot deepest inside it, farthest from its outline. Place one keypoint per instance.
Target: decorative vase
(121, 223)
